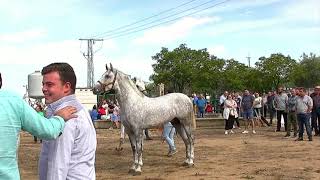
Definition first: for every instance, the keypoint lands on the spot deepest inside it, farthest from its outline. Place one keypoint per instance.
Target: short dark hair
(0, 81)
(65, 71)
(302, 88)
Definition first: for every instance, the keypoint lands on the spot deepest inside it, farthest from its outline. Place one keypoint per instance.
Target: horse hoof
(187, 164)
(190, 165)
(137, 173)
(119, 149)
(134, 172)
(131, 171)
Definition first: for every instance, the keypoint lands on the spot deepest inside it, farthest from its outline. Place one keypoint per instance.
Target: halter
(114, 80)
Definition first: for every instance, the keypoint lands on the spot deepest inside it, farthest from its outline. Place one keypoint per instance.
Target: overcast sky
(36, 33)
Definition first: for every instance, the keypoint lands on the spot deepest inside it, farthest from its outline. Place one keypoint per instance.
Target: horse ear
(107, 67)
(111, 68)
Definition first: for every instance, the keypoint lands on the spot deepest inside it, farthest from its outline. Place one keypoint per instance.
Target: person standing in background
(39, 110)
(229, 113)
(168, 135)
(201, 104)
(292, 115)
(270, 104)
(315, 115)
(281, 104)
(238, 100)
(264, 105)
(247, 111)
(304, 106)
(223, 97)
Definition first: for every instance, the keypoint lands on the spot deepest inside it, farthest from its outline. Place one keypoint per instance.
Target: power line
(144, 19)
(130, 32)
(157, 20)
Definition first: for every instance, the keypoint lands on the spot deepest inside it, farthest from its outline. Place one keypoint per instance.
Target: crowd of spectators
(294, 109)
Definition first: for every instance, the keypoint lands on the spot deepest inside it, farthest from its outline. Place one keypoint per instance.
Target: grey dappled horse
(142, 88)
(139, 112)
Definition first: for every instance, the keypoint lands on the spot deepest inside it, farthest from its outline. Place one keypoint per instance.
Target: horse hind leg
(120, 148)
(122, 136)
(186, 135)
(188, 131)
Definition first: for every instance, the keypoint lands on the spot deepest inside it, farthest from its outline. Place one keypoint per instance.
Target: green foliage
(188, 70)
(307, 73)
(276, 70)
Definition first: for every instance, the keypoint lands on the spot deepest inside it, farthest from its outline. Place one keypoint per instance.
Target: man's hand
(67, 113)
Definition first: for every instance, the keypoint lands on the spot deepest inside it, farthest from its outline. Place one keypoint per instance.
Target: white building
(86, 97)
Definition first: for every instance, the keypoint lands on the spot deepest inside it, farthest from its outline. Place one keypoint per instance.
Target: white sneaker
(225, 132)
(245, 132)
(254, 132)
(231, 132)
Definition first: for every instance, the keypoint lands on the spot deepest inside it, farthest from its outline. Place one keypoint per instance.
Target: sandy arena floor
(265, 155)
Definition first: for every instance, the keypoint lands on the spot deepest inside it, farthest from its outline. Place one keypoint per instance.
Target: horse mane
(131, 83)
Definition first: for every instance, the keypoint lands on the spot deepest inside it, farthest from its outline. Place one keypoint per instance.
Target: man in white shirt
(223, 97)
(72, 154)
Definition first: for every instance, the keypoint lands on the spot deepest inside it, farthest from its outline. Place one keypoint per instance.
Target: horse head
(140, 84)
(106, 82)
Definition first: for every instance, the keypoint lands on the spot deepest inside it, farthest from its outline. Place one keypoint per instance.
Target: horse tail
(193, 119)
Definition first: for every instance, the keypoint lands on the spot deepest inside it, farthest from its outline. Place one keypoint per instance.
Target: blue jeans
(247, 114)
(304, 120)
(200, 111)
(168, 133)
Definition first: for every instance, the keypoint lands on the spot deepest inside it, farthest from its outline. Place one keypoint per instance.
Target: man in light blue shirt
(17, 115)
(72, 155)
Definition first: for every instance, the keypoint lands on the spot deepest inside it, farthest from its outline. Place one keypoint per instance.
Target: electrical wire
(157, 20)
(143, 19)
(165, 22)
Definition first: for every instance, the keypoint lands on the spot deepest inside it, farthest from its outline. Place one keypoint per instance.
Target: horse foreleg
(138, 155)
(141, 150)
(134, 152)
(136, 145)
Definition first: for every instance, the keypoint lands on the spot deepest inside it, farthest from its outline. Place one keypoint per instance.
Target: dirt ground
(265, 155)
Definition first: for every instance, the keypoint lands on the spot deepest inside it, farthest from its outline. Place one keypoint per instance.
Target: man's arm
(40, 126)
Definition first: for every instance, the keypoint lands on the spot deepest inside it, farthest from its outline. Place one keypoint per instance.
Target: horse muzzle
(97, 89)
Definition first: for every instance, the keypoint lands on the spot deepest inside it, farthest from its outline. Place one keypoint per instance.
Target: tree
(307, 73)
(275, 70)
(177, 68)
(235, 75)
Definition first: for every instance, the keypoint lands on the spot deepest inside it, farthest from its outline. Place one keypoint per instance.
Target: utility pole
(89, 57)
(248, 57)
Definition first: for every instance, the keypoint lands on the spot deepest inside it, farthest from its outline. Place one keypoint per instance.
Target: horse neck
(125, 91)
